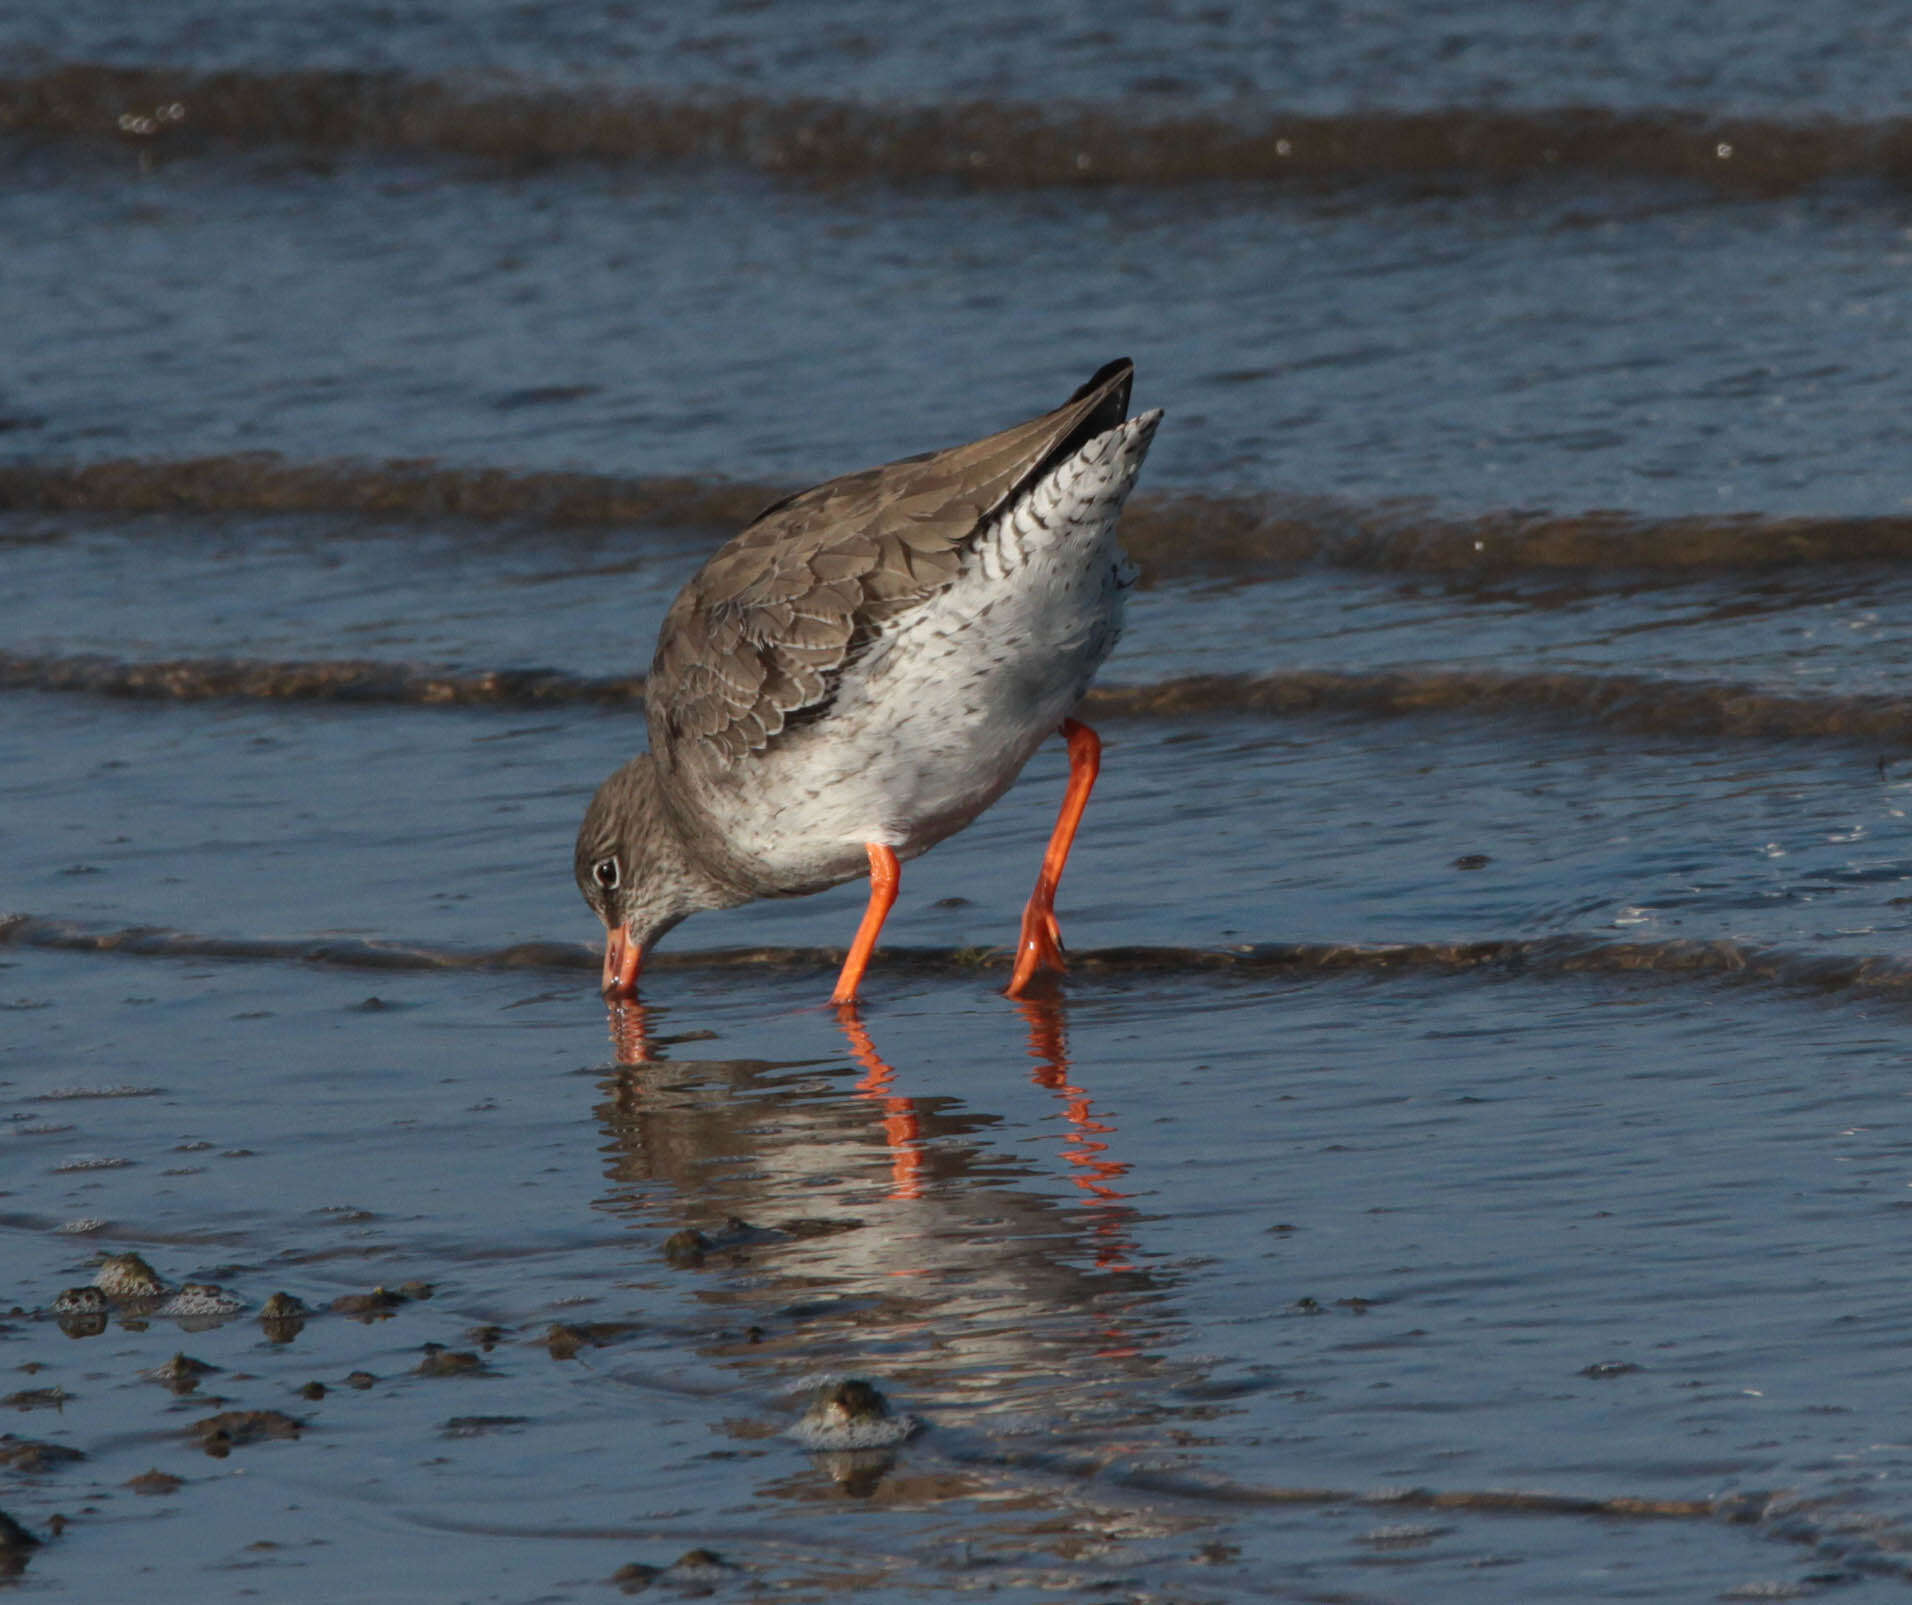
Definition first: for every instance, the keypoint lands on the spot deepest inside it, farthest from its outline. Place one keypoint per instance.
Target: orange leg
(1041, 945)
(885, 875)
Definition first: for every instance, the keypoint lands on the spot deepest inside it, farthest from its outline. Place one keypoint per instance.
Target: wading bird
(865, 669)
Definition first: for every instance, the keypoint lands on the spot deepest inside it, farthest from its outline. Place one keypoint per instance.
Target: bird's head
(631, 867)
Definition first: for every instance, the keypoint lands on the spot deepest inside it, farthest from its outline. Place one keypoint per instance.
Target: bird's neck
(695, 857)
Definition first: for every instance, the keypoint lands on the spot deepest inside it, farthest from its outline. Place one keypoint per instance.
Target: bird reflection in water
(1096, 1172)
(970, 1230)
(1093, 1168)
(630, 1035)
(902, 1126)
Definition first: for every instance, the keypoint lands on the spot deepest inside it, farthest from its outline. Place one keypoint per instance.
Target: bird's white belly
(936, 720)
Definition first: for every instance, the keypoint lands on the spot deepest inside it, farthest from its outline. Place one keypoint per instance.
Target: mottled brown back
(770, 622)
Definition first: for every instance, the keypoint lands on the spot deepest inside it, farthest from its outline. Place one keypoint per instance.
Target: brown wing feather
(765, 629)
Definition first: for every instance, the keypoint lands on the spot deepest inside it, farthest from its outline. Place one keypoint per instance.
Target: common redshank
(863, 671)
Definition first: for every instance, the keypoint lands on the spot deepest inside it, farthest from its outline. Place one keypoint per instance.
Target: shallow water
(1100, 1302)
(1469, 1161)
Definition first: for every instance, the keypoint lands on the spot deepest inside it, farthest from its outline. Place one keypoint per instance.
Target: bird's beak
(623, 956)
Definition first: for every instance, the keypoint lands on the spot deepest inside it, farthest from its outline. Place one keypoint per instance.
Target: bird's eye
(605, 872)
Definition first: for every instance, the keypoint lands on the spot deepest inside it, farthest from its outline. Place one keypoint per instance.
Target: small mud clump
(200, 1301)
(687, 1249)
(282, 1318)
(634, 1577)
(696, 1571)
(31, 1455)
(440, 1361)
(379, 1304)
(181, 1373)
(156, 1482)
(37, 1399)
(219, 1435)
(81, 1311)
(127, 1278)
(853, 1414)
(565, 1340)
(690, 1248)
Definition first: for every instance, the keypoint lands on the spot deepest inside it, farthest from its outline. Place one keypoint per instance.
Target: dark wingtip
(1109, 389)
(1122, 368)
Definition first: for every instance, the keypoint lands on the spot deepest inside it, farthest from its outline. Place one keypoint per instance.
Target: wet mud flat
(1121, 1349)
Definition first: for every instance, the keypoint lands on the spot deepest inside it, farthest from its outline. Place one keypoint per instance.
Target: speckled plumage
(870, 662)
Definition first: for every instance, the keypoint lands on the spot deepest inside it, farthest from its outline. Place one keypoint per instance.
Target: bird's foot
(1039, 949)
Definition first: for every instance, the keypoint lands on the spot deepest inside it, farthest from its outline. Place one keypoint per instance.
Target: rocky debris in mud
(219, 1435)
(127, 1284)
(16, 1547)
(564, 1339)
(30, 1454)
(696, 1571)
(155, 1481)
(440, 1361)
(487, 1337)
(312, 1390)
(181, 1373)
(852, 1414)
(360, 1380)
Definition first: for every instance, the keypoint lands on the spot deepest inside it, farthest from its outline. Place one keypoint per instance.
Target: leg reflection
(902, 1127)
(1096, 1172)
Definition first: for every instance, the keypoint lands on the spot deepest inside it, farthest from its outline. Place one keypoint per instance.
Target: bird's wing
(765, 630)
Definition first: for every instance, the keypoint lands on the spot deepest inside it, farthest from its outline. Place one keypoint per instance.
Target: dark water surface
(1471, 1160)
